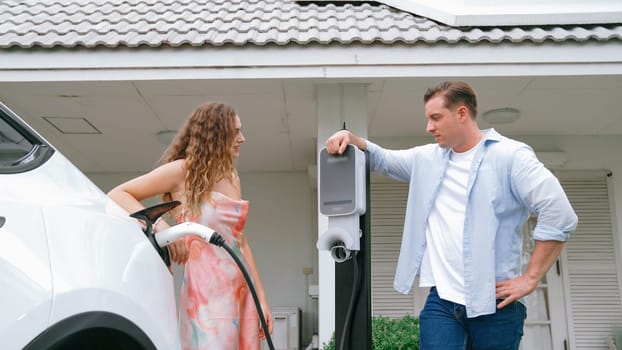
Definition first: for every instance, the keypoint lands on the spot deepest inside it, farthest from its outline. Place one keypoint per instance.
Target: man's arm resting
(358, 141)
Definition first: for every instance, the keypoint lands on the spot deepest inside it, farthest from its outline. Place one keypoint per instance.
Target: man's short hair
(455, 93)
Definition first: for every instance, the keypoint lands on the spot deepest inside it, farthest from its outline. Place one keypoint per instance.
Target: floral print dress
(216, 310)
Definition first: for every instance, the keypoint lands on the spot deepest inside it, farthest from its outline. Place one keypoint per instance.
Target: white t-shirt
(443, 261)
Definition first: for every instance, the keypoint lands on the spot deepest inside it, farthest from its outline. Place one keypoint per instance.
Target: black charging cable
(217, 240)
(356, 288)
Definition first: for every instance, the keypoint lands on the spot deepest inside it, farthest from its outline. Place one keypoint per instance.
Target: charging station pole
(360, 332)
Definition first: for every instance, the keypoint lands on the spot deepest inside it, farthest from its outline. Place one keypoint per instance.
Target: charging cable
(217, 240)
(356, 284)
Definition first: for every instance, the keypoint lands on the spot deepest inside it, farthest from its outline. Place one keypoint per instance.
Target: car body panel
(25, 274)
(119, 272)
(66, 250)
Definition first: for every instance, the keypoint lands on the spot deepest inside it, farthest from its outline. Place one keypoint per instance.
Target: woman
(216, 307)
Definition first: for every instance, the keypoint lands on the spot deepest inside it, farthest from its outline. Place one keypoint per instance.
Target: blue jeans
(444, 326)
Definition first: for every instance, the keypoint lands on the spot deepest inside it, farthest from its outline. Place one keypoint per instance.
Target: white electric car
(76, 272)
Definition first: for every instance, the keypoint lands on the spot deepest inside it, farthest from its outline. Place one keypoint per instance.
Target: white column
(336, 104)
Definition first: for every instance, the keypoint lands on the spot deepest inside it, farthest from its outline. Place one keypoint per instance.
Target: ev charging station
(344, 199)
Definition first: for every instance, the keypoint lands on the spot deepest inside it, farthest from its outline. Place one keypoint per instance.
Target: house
(104, 80)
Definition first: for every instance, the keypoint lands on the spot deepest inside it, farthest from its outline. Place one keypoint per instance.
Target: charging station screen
(337, 182)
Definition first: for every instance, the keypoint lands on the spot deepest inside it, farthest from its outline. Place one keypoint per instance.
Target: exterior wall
(281, 232)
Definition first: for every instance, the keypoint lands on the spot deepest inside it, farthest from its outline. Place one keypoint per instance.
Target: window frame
(38, 154)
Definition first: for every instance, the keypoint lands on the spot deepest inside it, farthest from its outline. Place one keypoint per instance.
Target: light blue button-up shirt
(506, 184)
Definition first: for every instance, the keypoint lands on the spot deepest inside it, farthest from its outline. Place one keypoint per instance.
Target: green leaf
(390, 334)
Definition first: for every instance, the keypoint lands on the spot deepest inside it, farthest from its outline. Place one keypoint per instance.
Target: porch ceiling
(279, 115)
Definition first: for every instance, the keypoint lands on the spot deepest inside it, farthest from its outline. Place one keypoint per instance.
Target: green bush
(390, 334)
(617, 339)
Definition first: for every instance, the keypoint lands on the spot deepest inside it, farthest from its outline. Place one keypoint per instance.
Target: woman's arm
(166, 178)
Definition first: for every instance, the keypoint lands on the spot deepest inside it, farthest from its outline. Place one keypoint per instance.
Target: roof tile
(131, 23)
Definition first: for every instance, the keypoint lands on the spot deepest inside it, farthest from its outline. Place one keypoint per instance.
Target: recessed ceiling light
(502, 115)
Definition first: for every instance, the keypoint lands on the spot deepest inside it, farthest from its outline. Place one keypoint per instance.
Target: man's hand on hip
(514, 289)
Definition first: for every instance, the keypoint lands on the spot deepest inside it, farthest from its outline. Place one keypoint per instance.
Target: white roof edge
(480, 20)
(456, 13)
(319, 62)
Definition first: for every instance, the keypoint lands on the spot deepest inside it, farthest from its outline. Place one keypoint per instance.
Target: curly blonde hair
(205, 142)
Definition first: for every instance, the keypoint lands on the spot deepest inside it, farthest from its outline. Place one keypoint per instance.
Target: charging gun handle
(171, 234)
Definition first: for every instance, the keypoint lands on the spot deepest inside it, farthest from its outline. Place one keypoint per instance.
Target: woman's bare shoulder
(176, 167)
(168, 177)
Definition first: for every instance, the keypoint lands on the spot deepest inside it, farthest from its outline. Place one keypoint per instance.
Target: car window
(13, 146)
(20, 149)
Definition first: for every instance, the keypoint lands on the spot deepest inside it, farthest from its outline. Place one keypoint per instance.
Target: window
(20, 149)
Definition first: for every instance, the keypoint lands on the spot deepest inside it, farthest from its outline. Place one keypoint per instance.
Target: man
(470, 194)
